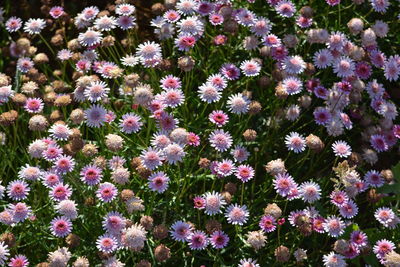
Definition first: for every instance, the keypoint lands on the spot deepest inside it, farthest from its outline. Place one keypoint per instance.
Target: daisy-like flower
(374, 179)
(285, 8)
(219, 239)
(60, 226)
(170, 82)
(220, 140)
(218, 117)
(218, 81)
(91, 175)
(310, 191)
(13, 24)
(181, 231)
(67, 208)
(173, 97)
(24, 64)
(160, 140)
(171, 16)
(236, 214)
(349, 209)
(4, 252)
(64, 164)
(173, 153)
(359, 239)
(339, 198)
(20, 211)
(114, 223)
(130, 60)
(341, 149)
(238, 103)
(294, 65)
(267, 223)
(336, 41)
(379, 143)
(125, 9)
(96, 91)
(95, 116)
(343, 67)
(151, 158)
(90, 12)
(60, 192)
(261, 27)
(244, 173)
(130, 123)
(384, 216)
(323, 58)
(56, 12)
(19, 261)
(230, 71)
(5, 93)
(213, 203)
(30, 173)
(334, 226)
(90, 37)
(380, 5)
(283, 184)
(334, 260)
(248, 263)
(225, 167)
(187, 7)
(126, 22)
(240, 153)
(193, 139)
(271, 40)
(105, 23)
(185, 42)
(149, 50)
(295, 142)
(158, 182)
(216, 19)
(292, 85)
(198, 240)
(18, 190)
(209, 93)
(107, 243)
(34, 26)
(64, 54)
(34, 105)
(60, 131)
(107, 192)
(250, 68)
(322, 115)
(245, 17)
(191, 25)
(383, 247)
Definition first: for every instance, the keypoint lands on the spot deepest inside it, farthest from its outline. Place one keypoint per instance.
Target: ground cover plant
(199, 133)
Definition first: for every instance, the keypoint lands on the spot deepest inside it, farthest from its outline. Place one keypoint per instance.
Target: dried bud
(8, 238)
(162, 253)
(254, 107)
(250, 135)
(186, 63)
(72, 240)
(146, 222)
(160, 232)
(204, 163)
(314, 143)
(212, 226)
(282, 254)
(231, 188)
(273, 210)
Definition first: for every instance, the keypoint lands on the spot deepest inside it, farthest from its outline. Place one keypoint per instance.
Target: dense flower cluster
(236, 133)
